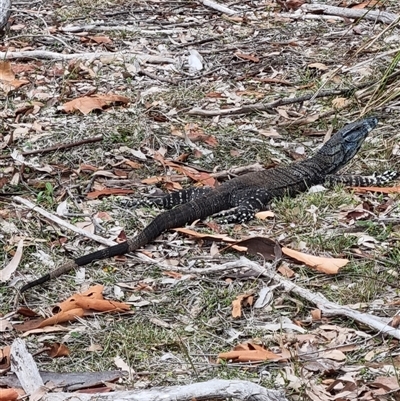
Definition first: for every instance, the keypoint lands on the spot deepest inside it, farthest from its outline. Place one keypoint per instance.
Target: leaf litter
(142, 109)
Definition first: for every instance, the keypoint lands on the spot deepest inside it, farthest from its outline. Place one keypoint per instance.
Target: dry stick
(104, 28)
(158, 78)
(251, 108)
(42, 54)
(370, 60)
(62, 223)
(382, 16)
(328, 308)
(218, 7)
(57, 147)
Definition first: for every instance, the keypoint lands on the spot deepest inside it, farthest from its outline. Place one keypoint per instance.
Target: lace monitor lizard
(237, 200)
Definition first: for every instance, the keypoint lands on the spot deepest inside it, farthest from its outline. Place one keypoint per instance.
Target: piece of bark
(214, 389)
(353, 13)
(5, 10)
(23, 365)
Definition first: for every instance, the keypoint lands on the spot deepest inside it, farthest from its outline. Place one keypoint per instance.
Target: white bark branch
(219, 7)
(43, 54)
(5, 9)
(327, 308)
(381, 16)
(25, 368)
(215, 389)
(63, 223)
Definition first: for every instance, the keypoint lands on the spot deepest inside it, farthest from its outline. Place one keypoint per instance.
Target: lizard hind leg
(245, 205)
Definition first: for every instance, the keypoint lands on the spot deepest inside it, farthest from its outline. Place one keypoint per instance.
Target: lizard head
(343, 146)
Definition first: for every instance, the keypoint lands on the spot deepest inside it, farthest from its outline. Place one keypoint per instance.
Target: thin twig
(46, 55)
(104, 28)
(62, 223)
(251, 108)
(157, 77)
(57, 147)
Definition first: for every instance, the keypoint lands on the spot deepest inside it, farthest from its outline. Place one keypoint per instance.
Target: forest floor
(181, 94)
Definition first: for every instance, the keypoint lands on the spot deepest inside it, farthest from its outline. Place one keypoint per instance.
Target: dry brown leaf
(78, 305)
(100, 305)
(62, 317)
(316, 314)
(57, 350)
(294, 4)
(340, 102)
(334, 354)
(245, 299)
(132, 164)
(249, 352)
(100, 39)
(387, 383)
(318, 66)
(395, 322)
(7, 78)
(8, 394)
(249, 57)
(195, 234)
(264, 215)
(365, 4)
(215, 95)
(173, 274)
(5, 357)
(109, 191)
(286, 271)
(383, 190)
(87, 104)
(323, 265)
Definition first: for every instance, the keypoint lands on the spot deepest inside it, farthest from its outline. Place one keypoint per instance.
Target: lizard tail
(115, 250)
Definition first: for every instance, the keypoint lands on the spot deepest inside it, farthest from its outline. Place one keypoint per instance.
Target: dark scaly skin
(243, 196)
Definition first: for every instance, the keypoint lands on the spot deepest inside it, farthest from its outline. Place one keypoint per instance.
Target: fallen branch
(212, 389)
(381, 16)
(105, 28)
(42, 54)
(62, 223)
(256, 107)
(218, 7)
(157, 77)
(57, 147)
(23, 363)
(327, 308)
